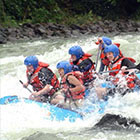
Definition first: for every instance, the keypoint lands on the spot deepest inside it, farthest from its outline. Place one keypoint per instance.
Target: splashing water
(21, 120)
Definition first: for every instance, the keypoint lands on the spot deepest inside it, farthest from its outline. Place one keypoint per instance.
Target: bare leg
(101, 92)
(59, 99)
(38, 98)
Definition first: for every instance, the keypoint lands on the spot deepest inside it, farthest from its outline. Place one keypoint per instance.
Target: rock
(116, 121)
(44, 30)
(75, 32)
(3, 36)
(42, 136)
(138, 29)
(93, 28)
(136, 24)
(75, 27)
(11, 39)
(57, 33)
(3, 40)
(49, 32)
(27, 25)
(40, 29)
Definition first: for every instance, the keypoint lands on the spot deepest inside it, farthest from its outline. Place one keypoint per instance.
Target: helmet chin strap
(33, 71)
(30, 73)
(115, 59)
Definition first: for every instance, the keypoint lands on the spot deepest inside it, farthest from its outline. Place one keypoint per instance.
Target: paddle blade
(135, 67)
(21, 82)
(138, 66)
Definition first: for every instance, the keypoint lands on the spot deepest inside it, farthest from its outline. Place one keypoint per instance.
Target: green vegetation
(15, 12)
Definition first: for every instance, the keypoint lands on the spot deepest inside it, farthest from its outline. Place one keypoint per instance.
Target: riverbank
(29, 31)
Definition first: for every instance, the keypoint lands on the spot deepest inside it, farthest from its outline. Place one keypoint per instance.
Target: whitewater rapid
(22, 120)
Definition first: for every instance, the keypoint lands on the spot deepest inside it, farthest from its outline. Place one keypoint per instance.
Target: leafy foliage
(66, 11)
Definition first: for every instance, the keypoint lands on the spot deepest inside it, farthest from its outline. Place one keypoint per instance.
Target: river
(24, 122)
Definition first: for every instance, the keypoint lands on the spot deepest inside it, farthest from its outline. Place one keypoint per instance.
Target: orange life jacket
(66, 85)
(36, 83)
(117, 65)
(88, 75)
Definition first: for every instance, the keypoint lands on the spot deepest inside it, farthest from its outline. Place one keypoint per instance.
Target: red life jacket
(117, 44)
(88, 75)
(66, 85)
(117, 65)
(36, 83)
(131, 59)
(104, 59)
(131, 81)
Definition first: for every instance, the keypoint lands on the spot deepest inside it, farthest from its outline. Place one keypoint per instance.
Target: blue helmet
(77, 51)
(112, 48)
(64, 65)
(106, 41)
(31, 60)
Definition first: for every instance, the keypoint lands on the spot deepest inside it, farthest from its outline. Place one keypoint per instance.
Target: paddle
(25, 87)
(108, 71)
(134, 67)
(97, 58)
(72, 98)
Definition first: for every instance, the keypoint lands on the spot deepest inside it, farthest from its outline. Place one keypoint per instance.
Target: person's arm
(74, 81)
(45, 76)
(43, 91)
(126, 63)
(25, 85)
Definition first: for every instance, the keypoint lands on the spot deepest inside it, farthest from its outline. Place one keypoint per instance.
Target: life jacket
(117, 44)
(117, 66)
(37, 84)
(66, 85)
(103, 57)
(131, 81)
(88, 75)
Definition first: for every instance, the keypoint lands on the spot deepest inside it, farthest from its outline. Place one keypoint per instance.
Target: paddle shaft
(97, 58)
(72, 98)
(108, 71)
(25, 87)
(135, 67)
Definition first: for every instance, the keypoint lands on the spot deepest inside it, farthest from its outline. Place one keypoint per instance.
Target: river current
(26, 122)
